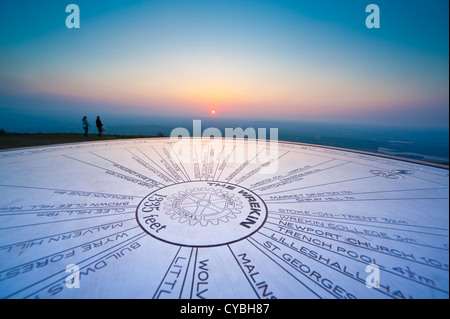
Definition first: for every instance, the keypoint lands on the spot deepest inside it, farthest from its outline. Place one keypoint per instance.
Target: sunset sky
(269, 59)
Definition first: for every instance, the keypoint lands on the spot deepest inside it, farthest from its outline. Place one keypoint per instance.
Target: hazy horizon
(419, 143)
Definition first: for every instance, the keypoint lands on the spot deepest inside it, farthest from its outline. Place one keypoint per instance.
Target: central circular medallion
(201, 213)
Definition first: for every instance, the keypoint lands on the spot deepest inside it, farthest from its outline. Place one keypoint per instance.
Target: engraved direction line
(121, 196)
(61, 210)
(142, 179)
(174, 164)
(182, 166)
(66, 220)
(67, 249)
(319, 185)
(306, 171)
(251, 239)
(343, 220)
(335, 193)
(356, 233)
(259, 168)
(366, 219)
(64, 233)
(313, 151)
(348, 257)
(225, 164)
(373, 164)
(133, 172)
(218, 163)
(170, 169)
(165, 275)
(396, 163)
(164, 172)
(349, 244)
(427, 180)
(366, 200)
(193, 275)
(130, 171)
(286, 270)
(328, 266)
(292, 173)
(243, 272)
(197, 163)
(187, 272)
(64, 271)
(132, 239)
(207, 162)
(243, 165)
(150, 167)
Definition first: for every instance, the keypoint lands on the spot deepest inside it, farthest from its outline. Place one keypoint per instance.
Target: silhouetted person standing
(99, 124)
(85, 126)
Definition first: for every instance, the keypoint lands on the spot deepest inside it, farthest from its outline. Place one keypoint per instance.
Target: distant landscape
(422, 144)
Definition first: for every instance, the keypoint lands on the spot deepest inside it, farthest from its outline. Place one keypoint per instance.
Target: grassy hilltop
(16, 140)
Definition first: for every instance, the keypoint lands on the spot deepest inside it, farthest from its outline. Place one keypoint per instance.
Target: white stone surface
(155, 218)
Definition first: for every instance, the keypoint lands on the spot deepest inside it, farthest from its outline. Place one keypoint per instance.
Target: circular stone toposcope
(201, 213)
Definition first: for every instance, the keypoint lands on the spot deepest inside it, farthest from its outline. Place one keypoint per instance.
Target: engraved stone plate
(223, 218)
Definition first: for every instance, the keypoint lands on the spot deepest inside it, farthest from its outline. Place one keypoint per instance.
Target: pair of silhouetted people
(98, 123)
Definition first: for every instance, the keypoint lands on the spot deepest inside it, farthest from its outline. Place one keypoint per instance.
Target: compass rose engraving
(201, 213)
(203, 206)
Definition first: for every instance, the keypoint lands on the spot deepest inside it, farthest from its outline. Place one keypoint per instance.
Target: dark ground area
(16, 140)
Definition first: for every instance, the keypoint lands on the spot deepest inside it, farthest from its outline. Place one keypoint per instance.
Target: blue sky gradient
(305, 60)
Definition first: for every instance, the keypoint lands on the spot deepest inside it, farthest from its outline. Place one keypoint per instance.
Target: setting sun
(213, 112)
